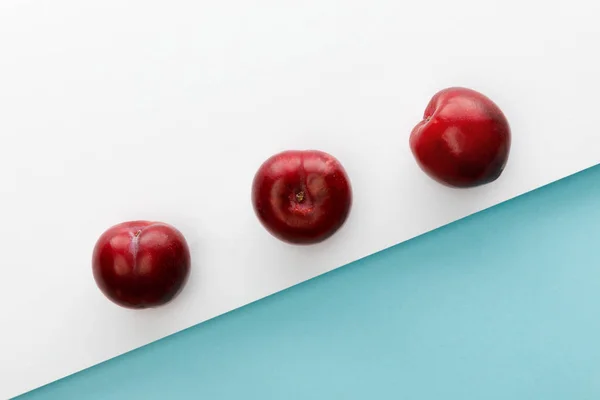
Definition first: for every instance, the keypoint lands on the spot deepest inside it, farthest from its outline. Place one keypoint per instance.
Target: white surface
(116, 110)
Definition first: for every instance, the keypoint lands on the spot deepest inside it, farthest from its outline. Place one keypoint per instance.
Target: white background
(116, 110)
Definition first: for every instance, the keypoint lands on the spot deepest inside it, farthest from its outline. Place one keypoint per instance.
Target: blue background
(501, 305)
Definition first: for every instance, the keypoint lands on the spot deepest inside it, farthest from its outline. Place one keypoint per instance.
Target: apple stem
(300, 197)
(138, 233)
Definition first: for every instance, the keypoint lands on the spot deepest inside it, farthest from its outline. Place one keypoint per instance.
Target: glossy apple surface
(463, 140)
(141, 264)
(302, 197)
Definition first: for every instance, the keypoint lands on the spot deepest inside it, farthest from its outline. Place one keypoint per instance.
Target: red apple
(463, 139)
(302, 197)
(141, 264)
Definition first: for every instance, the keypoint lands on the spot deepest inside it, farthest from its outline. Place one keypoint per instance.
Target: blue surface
(502, 305)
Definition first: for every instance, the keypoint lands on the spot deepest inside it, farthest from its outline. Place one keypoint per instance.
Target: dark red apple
(141, 264)
(302, 197)
(463, 139)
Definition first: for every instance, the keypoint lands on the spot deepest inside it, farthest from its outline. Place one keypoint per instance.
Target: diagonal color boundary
(504, 304)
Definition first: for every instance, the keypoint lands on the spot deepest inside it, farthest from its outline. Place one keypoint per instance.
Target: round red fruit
(141, 264)
(463, 139)
(302, 197)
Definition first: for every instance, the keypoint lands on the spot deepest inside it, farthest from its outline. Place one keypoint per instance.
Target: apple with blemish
(141, 264)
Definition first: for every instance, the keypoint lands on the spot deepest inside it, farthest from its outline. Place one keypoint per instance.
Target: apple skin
(141, 264)
(463, 140)
(302, 197)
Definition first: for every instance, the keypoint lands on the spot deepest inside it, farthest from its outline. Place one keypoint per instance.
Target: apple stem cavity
(302, 197)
